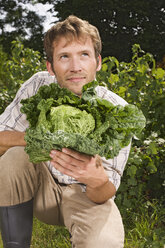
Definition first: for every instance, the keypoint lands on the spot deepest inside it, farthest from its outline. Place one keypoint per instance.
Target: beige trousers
(90, 225)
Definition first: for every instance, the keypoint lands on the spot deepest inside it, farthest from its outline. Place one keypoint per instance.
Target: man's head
(73, 50)
(71, 28)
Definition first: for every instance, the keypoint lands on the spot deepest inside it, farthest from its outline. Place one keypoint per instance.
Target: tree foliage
(121, 23)
(17, 21)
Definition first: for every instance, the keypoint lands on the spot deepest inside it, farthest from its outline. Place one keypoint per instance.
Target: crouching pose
(72, 189)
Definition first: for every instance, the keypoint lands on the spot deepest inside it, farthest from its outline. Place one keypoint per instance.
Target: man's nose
(75, 65)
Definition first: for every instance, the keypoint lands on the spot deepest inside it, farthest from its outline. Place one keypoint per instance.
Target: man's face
(74, 63)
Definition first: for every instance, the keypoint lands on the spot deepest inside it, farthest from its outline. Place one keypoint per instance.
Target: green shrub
(139, 82)
(23, 63)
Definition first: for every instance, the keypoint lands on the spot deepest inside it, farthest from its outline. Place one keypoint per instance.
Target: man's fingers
(66, 159)
(76, 155)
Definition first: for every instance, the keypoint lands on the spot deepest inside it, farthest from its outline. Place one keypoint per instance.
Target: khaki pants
(91, 225)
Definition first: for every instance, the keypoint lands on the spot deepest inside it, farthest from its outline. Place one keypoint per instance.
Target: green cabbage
(91, 125)
(71, 120)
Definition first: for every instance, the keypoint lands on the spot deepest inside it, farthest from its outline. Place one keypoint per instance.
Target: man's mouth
(76, 79)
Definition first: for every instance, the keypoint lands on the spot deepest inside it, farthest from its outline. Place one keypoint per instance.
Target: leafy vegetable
(92, 125)
(68, 119)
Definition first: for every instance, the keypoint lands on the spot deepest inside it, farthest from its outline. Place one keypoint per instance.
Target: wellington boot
(16, 225)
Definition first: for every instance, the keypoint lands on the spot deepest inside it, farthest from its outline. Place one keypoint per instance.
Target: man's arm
(9, 139)
(102, 193)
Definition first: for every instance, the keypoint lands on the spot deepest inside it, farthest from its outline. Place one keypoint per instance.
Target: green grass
(46, 236)
(145, 228)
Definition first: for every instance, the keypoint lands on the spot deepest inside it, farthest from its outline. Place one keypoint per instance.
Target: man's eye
(64, 56)
(85, 54)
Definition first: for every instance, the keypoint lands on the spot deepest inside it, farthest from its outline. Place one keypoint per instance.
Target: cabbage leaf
(91, 125)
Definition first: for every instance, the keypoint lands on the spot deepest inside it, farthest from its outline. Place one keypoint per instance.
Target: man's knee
(13, 161)
(99, 239)
(97, 226)
(17, 178)
(106, 240)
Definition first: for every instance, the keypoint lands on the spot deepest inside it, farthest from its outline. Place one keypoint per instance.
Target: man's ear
(99, 61)
(49, 68)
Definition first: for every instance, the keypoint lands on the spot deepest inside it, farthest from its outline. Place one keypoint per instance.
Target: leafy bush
(23, 63)
(140, 82)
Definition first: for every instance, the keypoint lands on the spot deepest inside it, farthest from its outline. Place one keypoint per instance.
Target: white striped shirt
(13, 119)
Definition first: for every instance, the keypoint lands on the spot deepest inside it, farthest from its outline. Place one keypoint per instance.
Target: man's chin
(76, 88)
(76, 92)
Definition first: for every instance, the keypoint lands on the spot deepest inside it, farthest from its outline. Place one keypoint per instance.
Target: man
(48, 189)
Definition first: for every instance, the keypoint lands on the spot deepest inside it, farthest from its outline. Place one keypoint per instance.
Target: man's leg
(25, 187)
(48, 197)
(18, 178)
(18, 182)
(90, 224)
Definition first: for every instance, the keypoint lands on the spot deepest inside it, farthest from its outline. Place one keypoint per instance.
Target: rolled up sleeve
(115, 167)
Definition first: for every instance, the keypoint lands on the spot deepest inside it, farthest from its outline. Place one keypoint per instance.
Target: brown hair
(72, 27)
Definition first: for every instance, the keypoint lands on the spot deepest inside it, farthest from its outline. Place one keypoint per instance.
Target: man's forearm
(102, 193)
(11, 138)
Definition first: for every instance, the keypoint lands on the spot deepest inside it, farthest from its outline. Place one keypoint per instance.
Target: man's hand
(85, 169)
